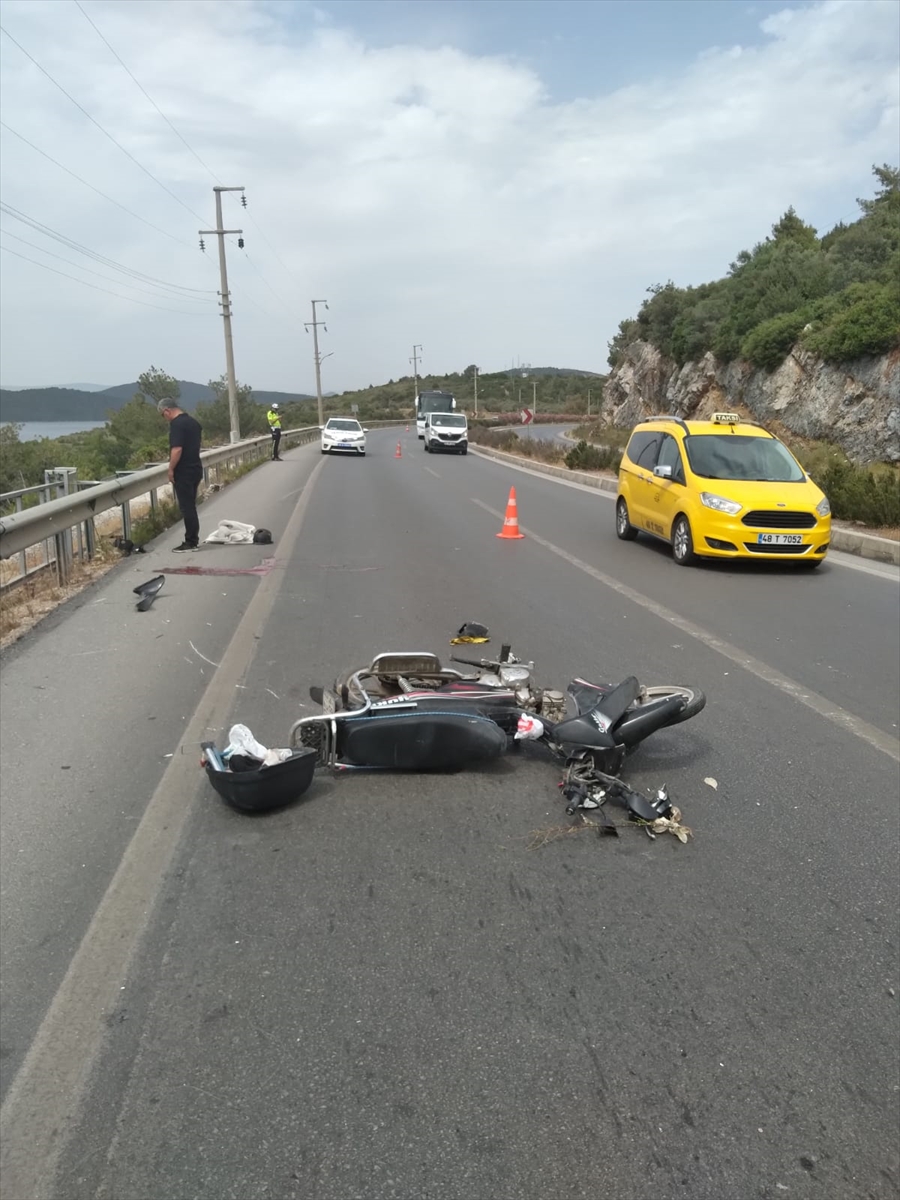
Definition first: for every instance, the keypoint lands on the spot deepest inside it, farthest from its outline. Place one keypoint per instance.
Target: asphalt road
(382, 991)
(550, 433)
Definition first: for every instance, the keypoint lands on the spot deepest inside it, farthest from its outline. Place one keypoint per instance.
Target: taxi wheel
(683, 542)
(624, 529)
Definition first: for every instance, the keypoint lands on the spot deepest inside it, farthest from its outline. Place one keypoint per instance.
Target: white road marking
(430, 472)
(835, 558)
(42, 1104)
(819, 704)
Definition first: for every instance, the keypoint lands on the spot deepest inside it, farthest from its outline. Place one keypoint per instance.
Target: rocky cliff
(855, 405)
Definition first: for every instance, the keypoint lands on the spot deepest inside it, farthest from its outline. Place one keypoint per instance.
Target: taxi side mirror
(663, 472)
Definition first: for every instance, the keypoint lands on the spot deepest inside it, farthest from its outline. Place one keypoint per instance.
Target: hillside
(551, 388)
(557, 388)
(69, 404)
(837, 297)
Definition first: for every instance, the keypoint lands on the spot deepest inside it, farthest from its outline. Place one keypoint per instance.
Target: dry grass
(24, 606)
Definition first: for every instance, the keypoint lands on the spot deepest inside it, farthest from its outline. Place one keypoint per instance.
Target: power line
(136, 216)
(84, 283)
(280, 299)
(136, 287)
(93, 121)
(39, 227)
(190, 149)
(272, 249)
(146, 93)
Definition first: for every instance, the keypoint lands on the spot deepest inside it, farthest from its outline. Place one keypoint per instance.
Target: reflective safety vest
(274, 419)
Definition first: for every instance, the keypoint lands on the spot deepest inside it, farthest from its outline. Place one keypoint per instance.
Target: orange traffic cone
(407, 429)
(511, 520)
(398, 453)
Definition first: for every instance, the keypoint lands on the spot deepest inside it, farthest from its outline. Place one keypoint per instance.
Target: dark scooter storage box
(421, 741)
(268, 788)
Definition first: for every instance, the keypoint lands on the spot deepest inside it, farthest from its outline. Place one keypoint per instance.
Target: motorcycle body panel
(464, 698)
(641, 722)
(416, 740)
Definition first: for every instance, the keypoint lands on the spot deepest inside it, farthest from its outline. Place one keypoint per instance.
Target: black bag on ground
(263, 536)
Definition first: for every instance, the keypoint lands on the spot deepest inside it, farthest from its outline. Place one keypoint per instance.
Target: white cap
(274, 405)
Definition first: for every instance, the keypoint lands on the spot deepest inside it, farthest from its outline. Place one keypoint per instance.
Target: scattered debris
(470, 633)
(199, 655)
(710, 782)
(148, 592)
(671, 825)
(127, 546)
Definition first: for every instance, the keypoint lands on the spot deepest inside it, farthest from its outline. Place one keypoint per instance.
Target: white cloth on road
(230, 532)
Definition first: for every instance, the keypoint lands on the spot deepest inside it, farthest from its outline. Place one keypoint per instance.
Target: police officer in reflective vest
(273, 416)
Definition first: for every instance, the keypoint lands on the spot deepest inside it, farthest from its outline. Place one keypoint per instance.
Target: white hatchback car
(343, 434)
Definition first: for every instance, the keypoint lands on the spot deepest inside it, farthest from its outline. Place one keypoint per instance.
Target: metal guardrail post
(49, 550)
(51, 517)
(23, 561)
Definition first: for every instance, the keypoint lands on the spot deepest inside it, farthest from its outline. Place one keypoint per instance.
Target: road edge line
(819, 704)
(40, 1110)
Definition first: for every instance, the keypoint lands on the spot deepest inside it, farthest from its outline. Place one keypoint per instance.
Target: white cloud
(431, 195)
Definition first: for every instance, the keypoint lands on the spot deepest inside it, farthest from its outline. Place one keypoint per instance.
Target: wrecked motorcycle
(406, 711)
(609, 719)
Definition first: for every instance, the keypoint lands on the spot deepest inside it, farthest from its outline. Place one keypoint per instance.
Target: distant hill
(72, 404)
(68, 387)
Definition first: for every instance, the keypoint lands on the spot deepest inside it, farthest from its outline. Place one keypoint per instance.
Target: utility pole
(534, 398)
(589, 401)
(220, 233)
(476, 391)
(415, 362)
(314, 325)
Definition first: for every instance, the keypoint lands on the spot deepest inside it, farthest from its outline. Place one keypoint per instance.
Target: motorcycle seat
(593, 728)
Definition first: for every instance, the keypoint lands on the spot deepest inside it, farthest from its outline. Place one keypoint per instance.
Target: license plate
(780, 539)
(344, 446)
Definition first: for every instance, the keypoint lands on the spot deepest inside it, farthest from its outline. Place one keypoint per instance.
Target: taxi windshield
(741, 456)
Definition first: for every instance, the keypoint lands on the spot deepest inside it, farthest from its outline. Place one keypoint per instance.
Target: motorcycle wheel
(694, 699)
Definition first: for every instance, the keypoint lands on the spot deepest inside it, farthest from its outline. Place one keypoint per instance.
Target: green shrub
(844, 282)
(869, 324)
(585, 457)
(768, 344)
(858, 494)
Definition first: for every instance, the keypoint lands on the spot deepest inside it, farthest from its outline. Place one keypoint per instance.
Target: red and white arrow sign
(527, 416)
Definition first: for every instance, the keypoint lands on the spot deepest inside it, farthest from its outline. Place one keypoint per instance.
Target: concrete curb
(848, 541)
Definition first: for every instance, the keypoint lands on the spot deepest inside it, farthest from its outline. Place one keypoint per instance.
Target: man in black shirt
(185, 468)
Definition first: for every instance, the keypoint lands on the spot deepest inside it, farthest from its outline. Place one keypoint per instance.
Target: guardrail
(54, 521)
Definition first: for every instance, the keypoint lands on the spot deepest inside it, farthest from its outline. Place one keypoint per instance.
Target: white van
(446, 431)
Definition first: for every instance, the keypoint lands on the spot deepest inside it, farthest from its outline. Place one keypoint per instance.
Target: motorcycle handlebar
(474, 662)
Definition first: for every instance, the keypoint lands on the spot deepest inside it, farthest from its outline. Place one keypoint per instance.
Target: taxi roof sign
(724, 418)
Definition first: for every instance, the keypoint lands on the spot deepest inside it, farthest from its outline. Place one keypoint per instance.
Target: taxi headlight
(720, 504)
(823, 508)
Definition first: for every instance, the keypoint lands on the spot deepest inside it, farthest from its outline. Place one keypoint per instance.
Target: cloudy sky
(497, 180)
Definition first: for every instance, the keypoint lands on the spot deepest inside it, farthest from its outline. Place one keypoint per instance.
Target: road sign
(527, 416)
(354, 408)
